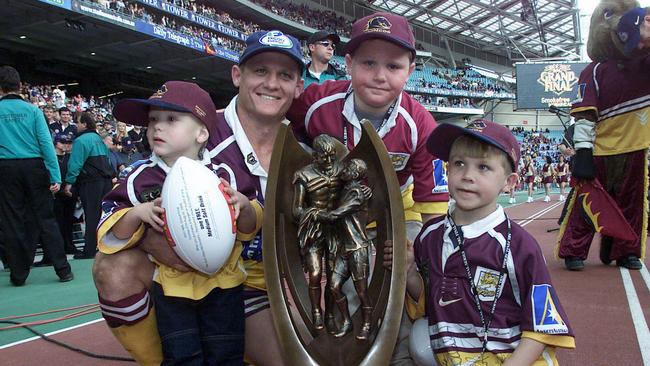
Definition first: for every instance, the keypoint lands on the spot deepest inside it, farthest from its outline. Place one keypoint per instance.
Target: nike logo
(445, 303)
(638, 20)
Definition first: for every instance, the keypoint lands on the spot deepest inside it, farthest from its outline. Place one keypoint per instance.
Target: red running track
(595, 299)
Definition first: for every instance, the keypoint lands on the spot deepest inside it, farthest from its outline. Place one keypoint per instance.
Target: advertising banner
(541, 85)
(60, 3)
(102, 13)
(195, 18)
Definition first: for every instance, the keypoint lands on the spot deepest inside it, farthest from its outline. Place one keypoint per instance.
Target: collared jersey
(233, 157)
(620, 99)
(144, 184)
(329, 109)
(528, 305)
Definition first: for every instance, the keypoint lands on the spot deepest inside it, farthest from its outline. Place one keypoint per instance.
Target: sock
(133, 323)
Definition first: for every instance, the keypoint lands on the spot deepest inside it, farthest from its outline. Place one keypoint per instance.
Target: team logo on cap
(276, 39)
(623, 36)
(477, 126)
(160, 92)
(378, 24)
(199, 111)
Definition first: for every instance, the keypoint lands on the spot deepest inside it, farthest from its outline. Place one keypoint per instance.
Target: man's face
(49, 114)
(322, 50)
(379, 71)
(268, 83)
(66, 116)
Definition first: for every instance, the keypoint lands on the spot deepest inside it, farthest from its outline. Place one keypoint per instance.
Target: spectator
(90, 171)
(321, 46)
(65, 125)
(63, 205)
(30, 175)
(139, 137)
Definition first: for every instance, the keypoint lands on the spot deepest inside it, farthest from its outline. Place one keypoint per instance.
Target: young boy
(380, 58)
(476, 269)
(199, 317)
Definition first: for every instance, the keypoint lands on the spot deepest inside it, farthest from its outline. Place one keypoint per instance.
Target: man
(90, 171)
(316, 188)
(321, 47)
(65, 125)
(30, 174)
(268, 79)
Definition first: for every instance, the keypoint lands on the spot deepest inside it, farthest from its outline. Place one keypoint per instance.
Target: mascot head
(614, 31)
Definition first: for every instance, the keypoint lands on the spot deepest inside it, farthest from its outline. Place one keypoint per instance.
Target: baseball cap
(276, 41)
(127, 144)
(321, 35)
(179, 96)
(628, 28)
(391, 27)
(63, 138)
(444, 135)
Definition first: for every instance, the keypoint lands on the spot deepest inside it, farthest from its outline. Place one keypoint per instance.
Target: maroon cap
(391, 27)
(179, 96)
(444, 135)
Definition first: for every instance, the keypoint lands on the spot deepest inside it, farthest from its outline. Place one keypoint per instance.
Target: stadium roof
(520, 30)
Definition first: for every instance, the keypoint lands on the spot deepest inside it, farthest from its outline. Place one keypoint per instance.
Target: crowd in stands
(301, 13)
(126, 143)
(460, 79)
(538, 144)
(432, 100)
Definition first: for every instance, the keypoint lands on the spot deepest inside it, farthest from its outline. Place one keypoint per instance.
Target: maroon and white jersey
(620, 99)
(329, 109)
(528, 305)
(546, 170)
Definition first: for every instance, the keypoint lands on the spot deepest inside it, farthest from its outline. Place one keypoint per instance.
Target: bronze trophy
(316, 211)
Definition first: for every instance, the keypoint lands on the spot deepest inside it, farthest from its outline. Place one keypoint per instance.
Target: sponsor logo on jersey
(486, 281)
(546, 317)
(439, 176)
(250, 159)
(399, 160)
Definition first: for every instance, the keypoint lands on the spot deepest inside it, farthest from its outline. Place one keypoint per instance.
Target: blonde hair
(475, 148)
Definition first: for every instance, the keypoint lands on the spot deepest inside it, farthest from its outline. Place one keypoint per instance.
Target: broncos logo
(378, 24)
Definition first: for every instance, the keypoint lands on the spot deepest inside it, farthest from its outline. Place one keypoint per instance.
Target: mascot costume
(611, 138)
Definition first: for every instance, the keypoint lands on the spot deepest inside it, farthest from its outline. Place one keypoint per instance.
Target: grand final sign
(541, 85)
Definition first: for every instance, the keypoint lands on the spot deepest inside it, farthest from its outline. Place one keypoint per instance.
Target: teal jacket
(24, 134)
(332, 73)
(89, 159)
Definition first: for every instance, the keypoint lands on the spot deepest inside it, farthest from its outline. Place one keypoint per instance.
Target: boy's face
(379, 71)
(268, 83)
(174, 134)
(475, 183)
(644, 31)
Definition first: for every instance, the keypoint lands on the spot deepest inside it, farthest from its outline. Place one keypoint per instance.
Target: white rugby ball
(199, 221)
(420, 344)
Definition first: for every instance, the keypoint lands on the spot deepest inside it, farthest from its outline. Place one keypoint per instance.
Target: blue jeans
(209, 331)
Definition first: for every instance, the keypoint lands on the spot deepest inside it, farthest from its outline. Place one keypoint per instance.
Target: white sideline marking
(52, 333)
(532, 217)
(640, 325)
(645, 275)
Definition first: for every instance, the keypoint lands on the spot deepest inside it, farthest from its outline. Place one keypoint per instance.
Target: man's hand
(54, 187)
(156, 244)
(68, 190)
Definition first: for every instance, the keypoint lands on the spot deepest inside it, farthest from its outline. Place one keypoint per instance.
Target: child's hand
(150, 213)
(238, 201)
(244, 211)
(388, 255)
